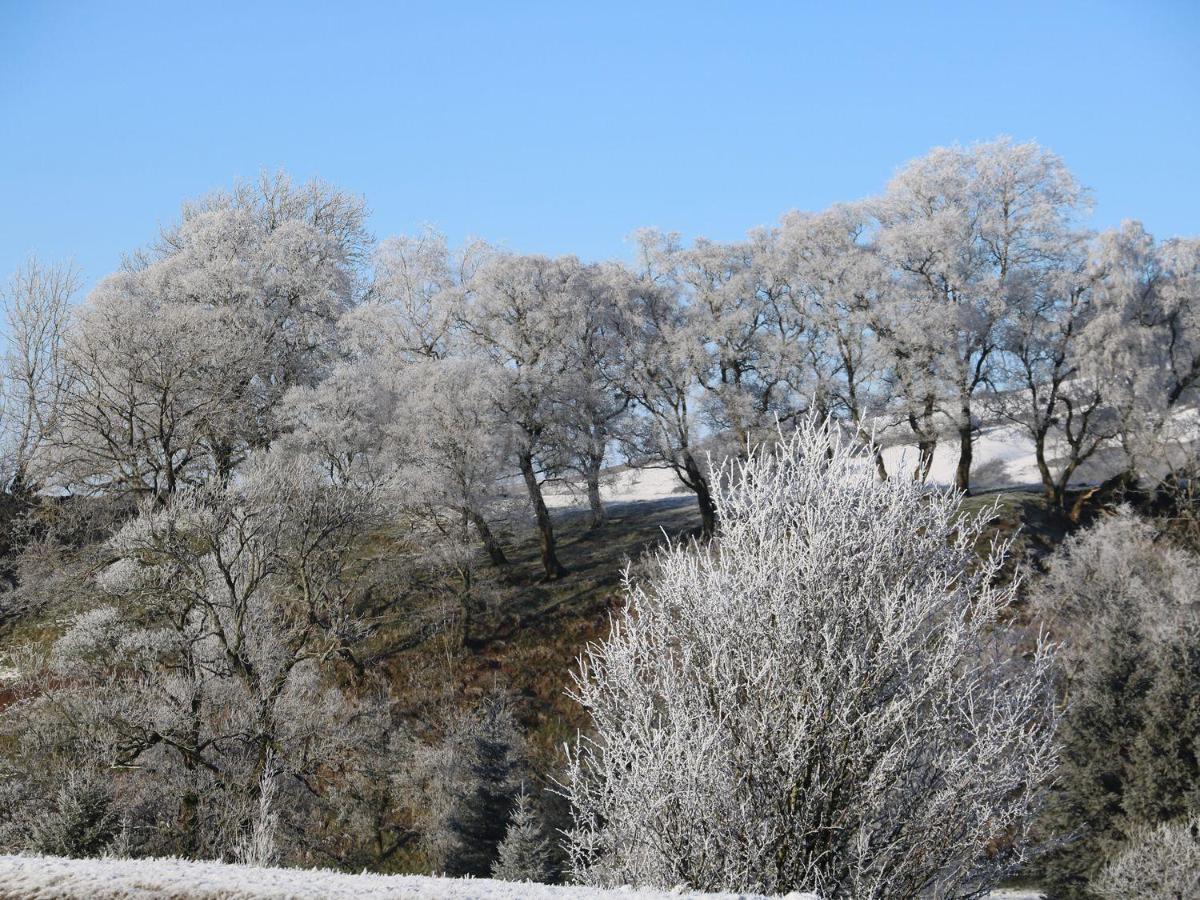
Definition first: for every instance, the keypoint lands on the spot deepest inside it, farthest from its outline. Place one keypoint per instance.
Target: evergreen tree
(480, 816)
(1124, 601)
(524, 854)
(81, 822)
(1103, 720)
(1165, 759)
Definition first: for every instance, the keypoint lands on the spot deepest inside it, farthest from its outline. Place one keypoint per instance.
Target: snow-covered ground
(1003, 459)
(43, 878)
(54, 878)
(623, 485)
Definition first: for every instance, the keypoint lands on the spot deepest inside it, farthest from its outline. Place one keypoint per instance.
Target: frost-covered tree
(826, 699)
(425, 437)
(422, 434)
(828, 317)
(426, 407)
(1122, 561)
(1047, 386)
(456, 448)
(37, 302)
(178, 362)
(413, 307)
(345, 424)
(596, 406)
(218, 638)
(963, 229)
(660, 374)
(283, 260)
(728, 331)
(1143, 347)
(524, 854)
(520, 316)
(151, 398)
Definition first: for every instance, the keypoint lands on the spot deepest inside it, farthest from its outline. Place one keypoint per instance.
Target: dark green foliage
(1099, 728)
(1164, 764)
(1124, 598)
(1129, 747)
(479, 818)
(80, 822)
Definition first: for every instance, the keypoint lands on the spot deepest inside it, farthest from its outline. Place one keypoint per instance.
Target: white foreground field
(54, 878)
(46, 877)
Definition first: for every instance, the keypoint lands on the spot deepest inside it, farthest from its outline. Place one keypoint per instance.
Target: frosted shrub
(1123, 562)
(823, 700)
(81, 820)
(1159, 864)
(258, 847)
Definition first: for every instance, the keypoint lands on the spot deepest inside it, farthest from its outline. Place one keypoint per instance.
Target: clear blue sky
(560, 127)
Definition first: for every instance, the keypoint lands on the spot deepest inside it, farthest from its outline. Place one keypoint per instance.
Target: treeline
(967, 292)
(269, 442)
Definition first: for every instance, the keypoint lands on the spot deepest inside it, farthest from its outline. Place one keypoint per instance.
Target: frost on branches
(825, 699)
(1159, 864)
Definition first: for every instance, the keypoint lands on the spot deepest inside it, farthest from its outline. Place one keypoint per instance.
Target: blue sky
(560, 127)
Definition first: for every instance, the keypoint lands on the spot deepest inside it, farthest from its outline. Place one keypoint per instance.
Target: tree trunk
(876, 452)
(223, 462)
(599, 516)
(704, 498)
(924, 459)
(1039, 454)
(494, 551)
(966, 449)
(189, 808)
(553, 568)
(926, 439)
(1059, 495)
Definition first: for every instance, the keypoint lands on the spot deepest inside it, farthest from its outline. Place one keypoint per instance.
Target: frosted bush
(825, 699)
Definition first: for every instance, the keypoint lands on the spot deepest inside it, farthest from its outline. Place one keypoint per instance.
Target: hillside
(525, 634)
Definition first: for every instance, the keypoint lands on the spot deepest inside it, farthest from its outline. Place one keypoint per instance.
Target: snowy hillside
(42, 878)
(1004, 459)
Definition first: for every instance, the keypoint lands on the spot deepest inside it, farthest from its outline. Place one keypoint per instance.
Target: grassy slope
(529, 635)
(533, 631)
(527, 639)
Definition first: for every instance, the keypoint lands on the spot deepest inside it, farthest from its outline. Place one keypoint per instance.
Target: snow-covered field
(1003, 460)
(44, 878)
(620, 486)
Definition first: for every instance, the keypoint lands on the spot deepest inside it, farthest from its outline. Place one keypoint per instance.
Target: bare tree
(825, 699)
(660, 375)
(520, 316)
(36, 307)
(962, 228)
